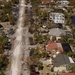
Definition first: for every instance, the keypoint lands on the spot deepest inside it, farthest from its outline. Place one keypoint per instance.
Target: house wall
(60, 69)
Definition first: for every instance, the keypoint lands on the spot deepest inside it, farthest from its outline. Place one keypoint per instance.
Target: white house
(63, 2)
(57, 17)
(56, 32)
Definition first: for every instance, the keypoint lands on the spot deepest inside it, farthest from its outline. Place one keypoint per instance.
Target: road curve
(17, 45)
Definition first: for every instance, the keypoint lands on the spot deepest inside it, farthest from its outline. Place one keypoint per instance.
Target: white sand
(17, 48)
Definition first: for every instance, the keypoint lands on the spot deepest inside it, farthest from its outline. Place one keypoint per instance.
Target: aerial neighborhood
(37, 37)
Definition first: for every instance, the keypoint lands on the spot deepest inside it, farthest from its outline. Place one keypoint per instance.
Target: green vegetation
(71, 68)
(47, 74)
(3, 58)
(65, 39)
(35, 2)
(41, 39)
(71, 54)
(36, 55)
(3, 64)
(1, 72)
(15, 1)
(3, 39)
(3, 61)
(40, 65)
(6, 13)
(38, 38)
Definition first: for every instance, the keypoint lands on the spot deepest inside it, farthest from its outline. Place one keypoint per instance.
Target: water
(73, 19)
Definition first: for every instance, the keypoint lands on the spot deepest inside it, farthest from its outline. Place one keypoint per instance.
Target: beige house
(60, 69)
(61, 61)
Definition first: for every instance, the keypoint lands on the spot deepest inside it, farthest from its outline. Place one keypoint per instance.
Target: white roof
(57, 17)
(71, 60)
(56, 32)
(56, 13)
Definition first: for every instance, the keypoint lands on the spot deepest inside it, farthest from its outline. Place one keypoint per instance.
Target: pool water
(73, 19)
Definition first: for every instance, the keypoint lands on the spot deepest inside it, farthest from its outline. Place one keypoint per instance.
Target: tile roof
(53, 45)
(68, 74)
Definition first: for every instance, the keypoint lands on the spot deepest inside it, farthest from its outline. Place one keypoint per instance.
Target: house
(63, 2)
(60, 69)
(47, 1)
(68, 74)
(57, 17)
(54, 46)
(61, 61)
(56, 32)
